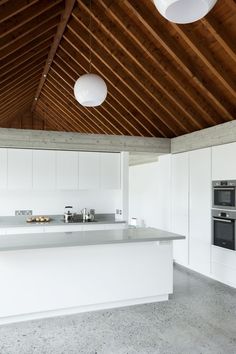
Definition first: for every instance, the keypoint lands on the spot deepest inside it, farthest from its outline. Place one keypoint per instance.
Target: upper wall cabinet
(89, 170)
(44, 169)
(224, 162)
(67, 170)
(110, 173)
(19, 169)
(3, 169)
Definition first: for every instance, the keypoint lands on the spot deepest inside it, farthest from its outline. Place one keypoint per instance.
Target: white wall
(149, 193)
(53, 202)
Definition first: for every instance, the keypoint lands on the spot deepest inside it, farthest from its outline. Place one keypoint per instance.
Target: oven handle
(224, 189)
(222, 220)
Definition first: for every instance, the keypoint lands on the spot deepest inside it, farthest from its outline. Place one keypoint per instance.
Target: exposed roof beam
(84, 142)
(69, 4)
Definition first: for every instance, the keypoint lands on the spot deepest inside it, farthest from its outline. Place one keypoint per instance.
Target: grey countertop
(57, 220)
(84, 238)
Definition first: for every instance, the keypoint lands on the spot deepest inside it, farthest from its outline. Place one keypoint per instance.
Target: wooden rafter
(69, 4)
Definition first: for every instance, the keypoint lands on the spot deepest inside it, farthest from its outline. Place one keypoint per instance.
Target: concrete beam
(220, 134)
(48, 140)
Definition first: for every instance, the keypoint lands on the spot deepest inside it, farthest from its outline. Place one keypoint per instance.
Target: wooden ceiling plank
(117, 96)
(108, 124)
(207, 58)
(163, 110)
(24, 75)
(170, 46)
(21, 103)
(74, 107)
(13, 113)
(134, 97)
(39, 59)
(48, 29)
(200, 111)
(63, 115)
(17, 96)
(216, 30)
(60, 97)
(34, 24)
(69, 4)
(13, 7)
(232, 4)
(54, 115)
(27, 15)
(77, 109)
(26, 51)
(18, 83)
(18, 88)
(135, 53)
(26, 59)
(129, 128)
(53, 125)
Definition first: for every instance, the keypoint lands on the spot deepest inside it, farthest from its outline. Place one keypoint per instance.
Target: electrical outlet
(23, 212)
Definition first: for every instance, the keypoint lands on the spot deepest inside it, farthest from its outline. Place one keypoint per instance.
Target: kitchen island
(50, 274)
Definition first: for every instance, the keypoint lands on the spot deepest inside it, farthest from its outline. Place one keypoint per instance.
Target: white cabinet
(67, 170)
(224, 162)
(110, 171)
(89, 170)
(44, 170)
(180, 189)
(115, 226)
(19, 169)
(224, 265)
(3, 169)
(200, 210)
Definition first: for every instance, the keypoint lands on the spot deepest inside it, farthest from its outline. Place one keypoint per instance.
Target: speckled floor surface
(200, 318)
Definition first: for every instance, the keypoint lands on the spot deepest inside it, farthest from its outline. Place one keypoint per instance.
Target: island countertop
(84, 238)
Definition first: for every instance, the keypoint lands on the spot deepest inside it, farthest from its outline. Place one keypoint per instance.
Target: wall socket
(23, 212)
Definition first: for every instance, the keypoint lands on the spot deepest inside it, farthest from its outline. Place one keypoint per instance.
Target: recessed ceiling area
(163, 79)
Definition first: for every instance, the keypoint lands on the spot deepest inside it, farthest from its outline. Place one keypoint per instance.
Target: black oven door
(224, 196)
(224, 233)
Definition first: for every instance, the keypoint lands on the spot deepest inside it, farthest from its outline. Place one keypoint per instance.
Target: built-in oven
(224, 228)
(224, 194)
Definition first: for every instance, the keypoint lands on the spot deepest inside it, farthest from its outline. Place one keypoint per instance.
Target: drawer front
(64, 228)
(24, 230)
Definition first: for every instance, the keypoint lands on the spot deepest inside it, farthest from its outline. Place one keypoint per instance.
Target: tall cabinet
(200, 210)
(179, 207)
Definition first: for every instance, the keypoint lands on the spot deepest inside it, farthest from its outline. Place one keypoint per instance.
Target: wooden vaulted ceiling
(163, 79)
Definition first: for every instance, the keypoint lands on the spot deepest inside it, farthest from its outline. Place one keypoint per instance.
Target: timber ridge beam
(49, 140)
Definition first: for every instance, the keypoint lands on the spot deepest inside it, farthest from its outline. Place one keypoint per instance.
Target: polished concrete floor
(200, 318)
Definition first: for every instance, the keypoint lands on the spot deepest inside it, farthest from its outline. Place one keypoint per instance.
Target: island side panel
(88, 277)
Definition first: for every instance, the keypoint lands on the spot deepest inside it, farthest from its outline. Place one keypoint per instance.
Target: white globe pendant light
(184, 11)
(90, 90)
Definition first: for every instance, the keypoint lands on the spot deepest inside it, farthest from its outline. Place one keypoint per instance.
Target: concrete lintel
(220, 134)
(49, 140)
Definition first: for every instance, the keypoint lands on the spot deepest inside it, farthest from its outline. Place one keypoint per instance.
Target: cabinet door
(180, 176)
(118, 226)
(224, 162)
(110, 171)
(200, 210)
(94, 227)
(3, 169)
(44, 170)
(19, 169)
(67, 170)
(64, 228)
(89, 170)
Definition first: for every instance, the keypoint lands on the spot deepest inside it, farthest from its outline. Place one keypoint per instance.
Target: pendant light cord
(90, 36)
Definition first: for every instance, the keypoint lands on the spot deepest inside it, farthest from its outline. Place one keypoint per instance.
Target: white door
(3, 168)
(110, 170)
(224, 162)
(67, 170)
(180, 177)
(44, 170)
(89, 170)
(200, 210)
(19, 169)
